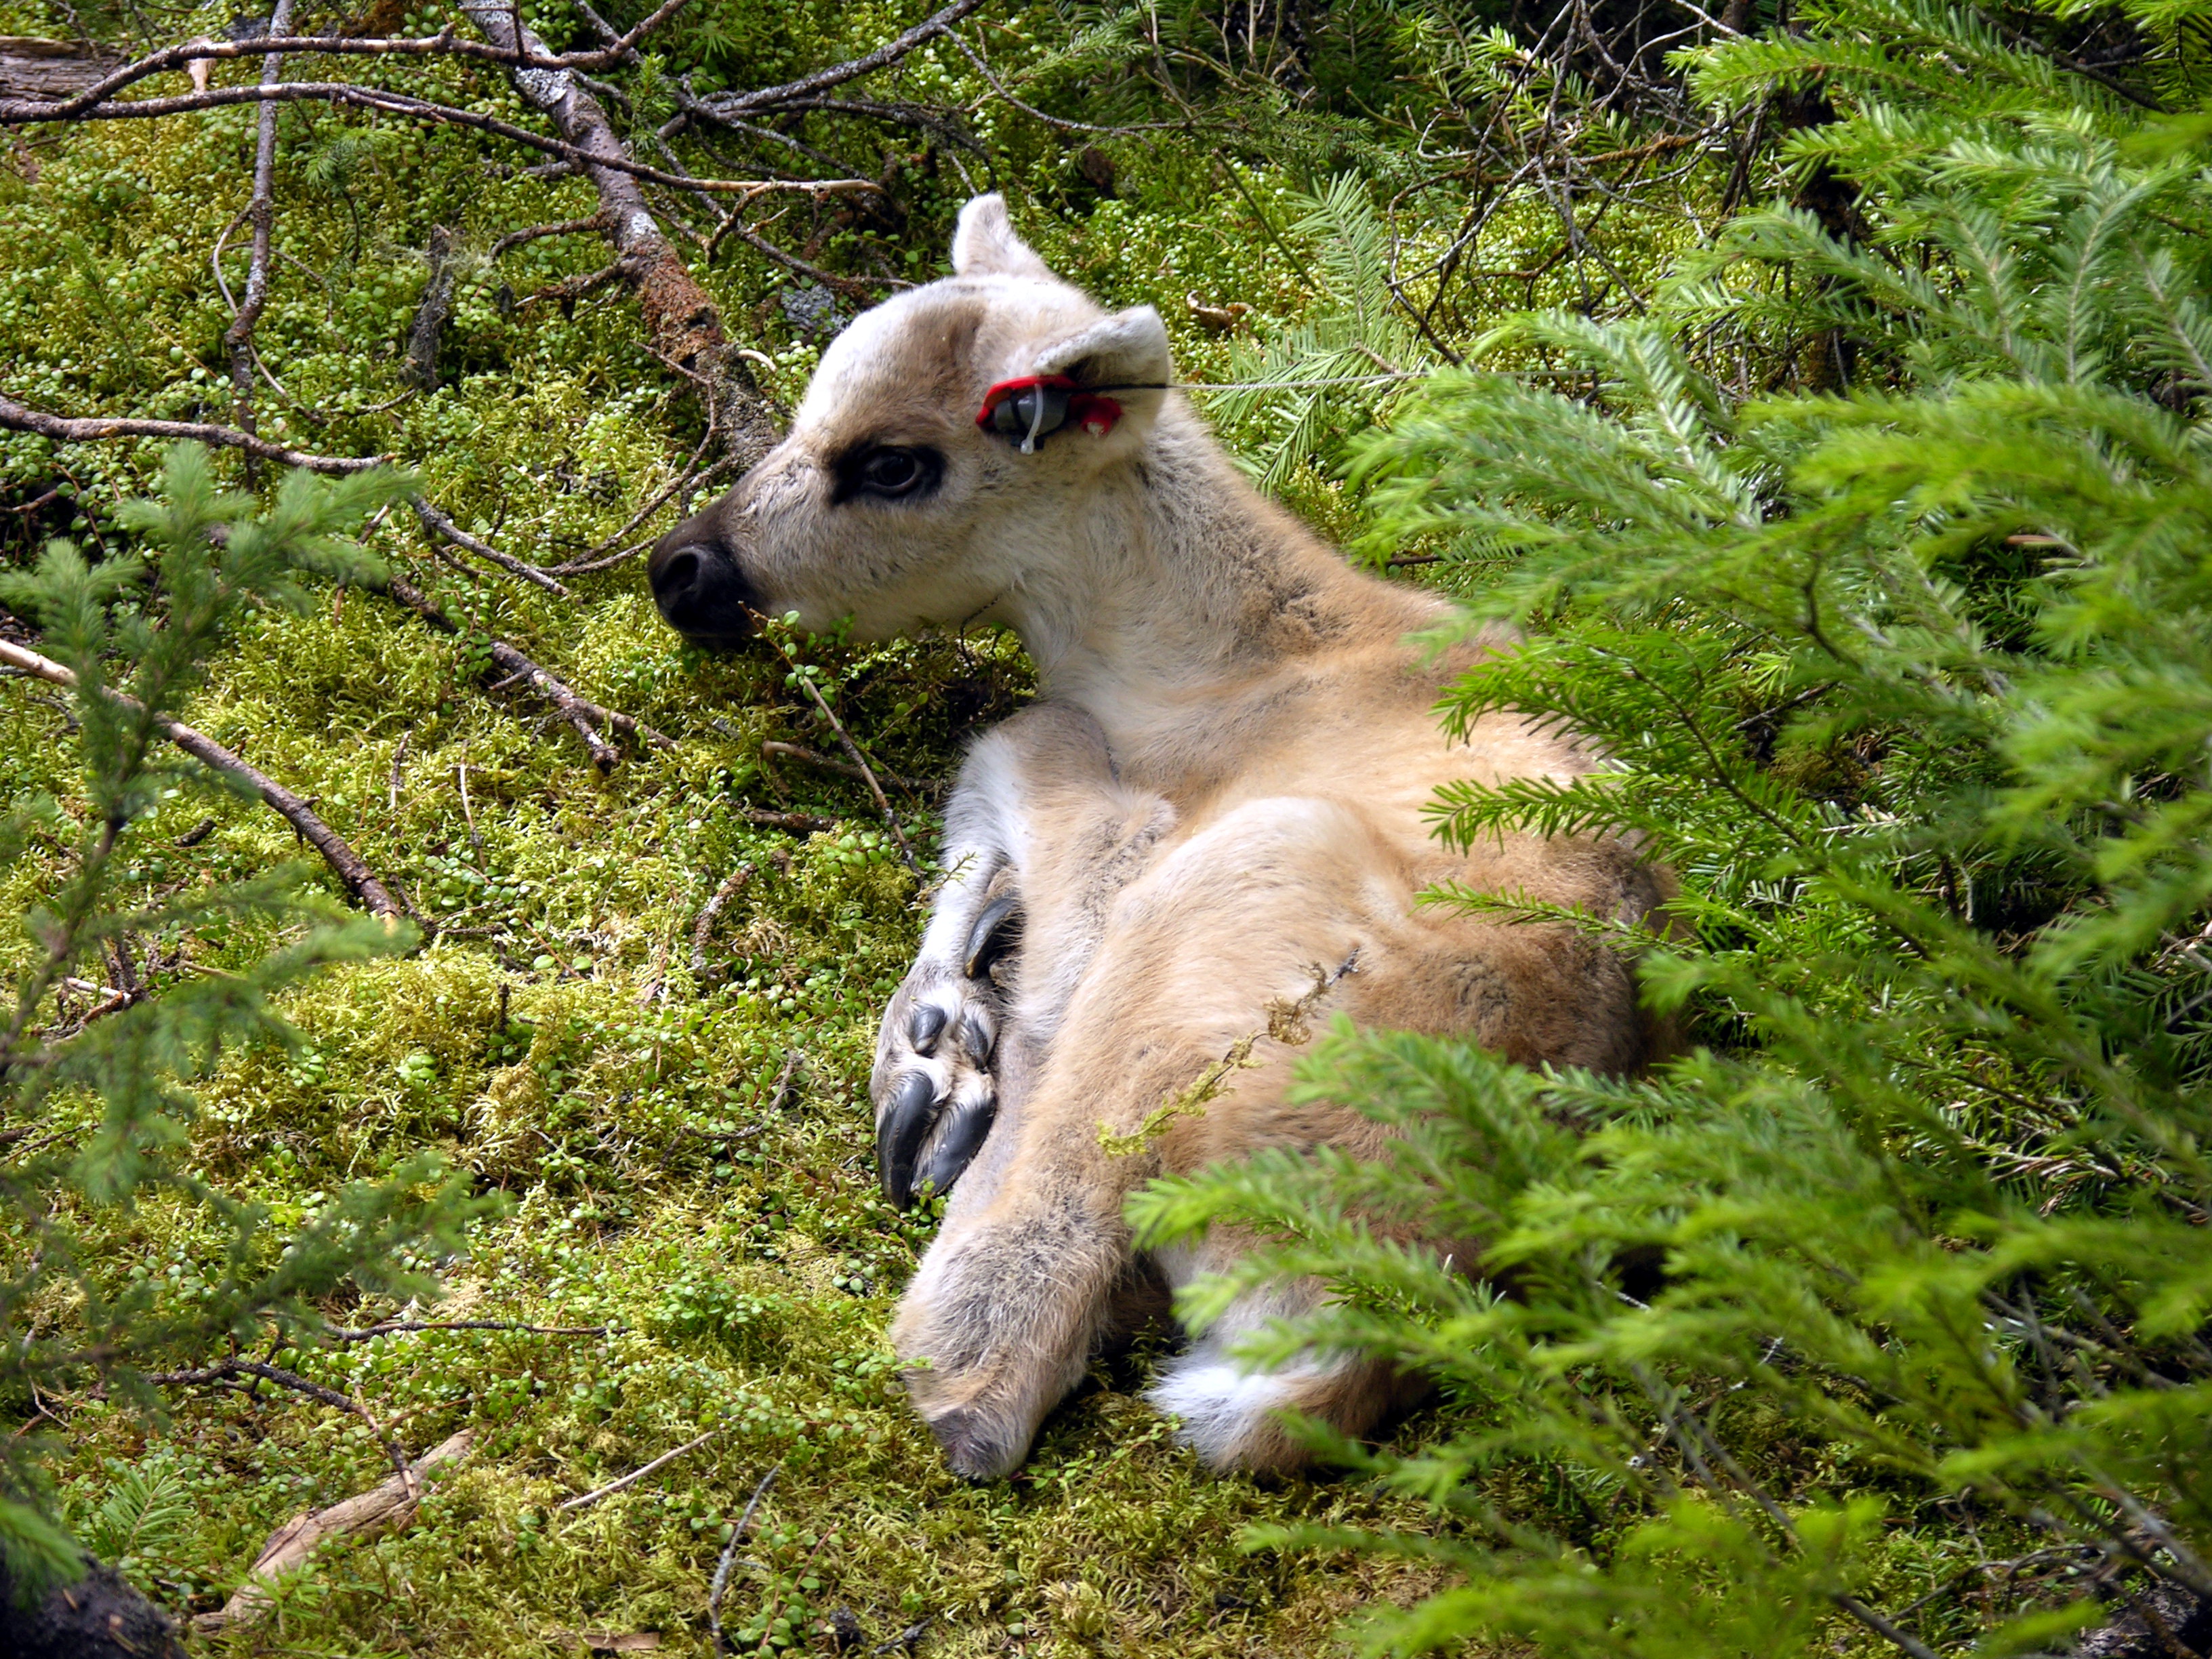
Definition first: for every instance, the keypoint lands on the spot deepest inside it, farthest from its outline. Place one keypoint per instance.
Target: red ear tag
(1096, 414)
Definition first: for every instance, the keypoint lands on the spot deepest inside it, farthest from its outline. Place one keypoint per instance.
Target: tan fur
(1219, 791)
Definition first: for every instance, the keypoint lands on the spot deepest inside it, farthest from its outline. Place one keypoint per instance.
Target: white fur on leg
(1223, 1407)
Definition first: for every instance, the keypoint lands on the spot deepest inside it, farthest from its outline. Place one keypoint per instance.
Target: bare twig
(21, 112)
(581, 713)
(703, 928)
(587, 1499)
(439, 525)
(829, 763)
(569, 290)
(432, 310)
(800, 823)
(738, 1534)
(515, 238)
(770, 98)
(382, 1508)
(860, 760)
(351, 868)
(95, 428)
(339, 1333)
(261, 214)
(275, 42)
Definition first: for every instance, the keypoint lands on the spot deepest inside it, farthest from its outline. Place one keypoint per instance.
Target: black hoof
(925, 1028)
(996, 931)
(957, 1147)
(899, 1134)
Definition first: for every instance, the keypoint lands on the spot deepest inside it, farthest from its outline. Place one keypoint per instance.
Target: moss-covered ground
(712, 1250)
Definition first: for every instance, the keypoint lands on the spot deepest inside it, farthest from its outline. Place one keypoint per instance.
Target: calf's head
(917, 486)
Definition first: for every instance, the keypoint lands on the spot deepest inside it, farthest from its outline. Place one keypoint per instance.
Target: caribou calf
(1217, 792)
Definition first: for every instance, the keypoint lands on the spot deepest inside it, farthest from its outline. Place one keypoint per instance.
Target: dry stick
(682, 324)
(782, 1086)
(351, 869)
(681, 318)
(432, 313)
(398, 760)
(801, 822)
(569, 290)
(882, 804)
(339, 1333)
(439, 525)
(261, 213)
(599, 558)
(589, 1498)
(831, 763)
(94, 429)
(443, 44)
(515, 238)
(584, 715)
(392, 1503)
(468, 812)
(22, 112)
(703, 928)
(730, 1554)
(226, 1370)
(890, 52)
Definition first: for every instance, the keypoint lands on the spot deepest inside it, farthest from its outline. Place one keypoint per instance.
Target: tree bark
(682, 320)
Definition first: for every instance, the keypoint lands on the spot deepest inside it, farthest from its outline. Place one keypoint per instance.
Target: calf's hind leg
(1014, 1296)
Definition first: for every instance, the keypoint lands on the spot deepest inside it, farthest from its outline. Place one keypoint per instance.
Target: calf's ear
(1127, 356)
(985, 243)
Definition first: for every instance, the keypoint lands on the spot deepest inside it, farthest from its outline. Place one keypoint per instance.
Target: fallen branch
(584, 715)
(439, 525)
(683, 326)
(867, 776)
(391, 1504)
(95, 428)
(589, 1498)
(395, 1327)
(440, 45)
(361, 881)
(261, 214)
(801, 822)
(15, 111)
(515, 238)
(831, 763)
(721, 1581)
(703, 928)
(771, 98)
(432, 313)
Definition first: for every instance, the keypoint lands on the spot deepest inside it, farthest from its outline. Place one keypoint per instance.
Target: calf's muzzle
(701, 590)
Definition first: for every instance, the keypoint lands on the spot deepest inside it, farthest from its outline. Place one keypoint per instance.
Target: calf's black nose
(701, 592)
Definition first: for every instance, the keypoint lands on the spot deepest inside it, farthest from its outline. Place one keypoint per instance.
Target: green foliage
(94, 1112)
(1911, 686)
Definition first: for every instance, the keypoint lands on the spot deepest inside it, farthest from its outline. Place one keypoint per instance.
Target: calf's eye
(891, 471)
(887, 472)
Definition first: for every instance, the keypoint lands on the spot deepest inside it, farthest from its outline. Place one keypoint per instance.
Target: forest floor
(685, 1155)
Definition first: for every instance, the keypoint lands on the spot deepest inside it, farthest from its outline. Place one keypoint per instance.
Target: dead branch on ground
(340, 1335)
(96, 429)
(703, 928)
(439, 525)
(860, 760)
(360, 880)
(261, 214)
(587, 1499)
(383, 1508)
(798, 822)
(722, 1580)
(510, 667)
(782, 750)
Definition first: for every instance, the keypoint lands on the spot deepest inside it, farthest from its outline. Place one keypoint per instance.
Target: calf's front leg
(935, 1093)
